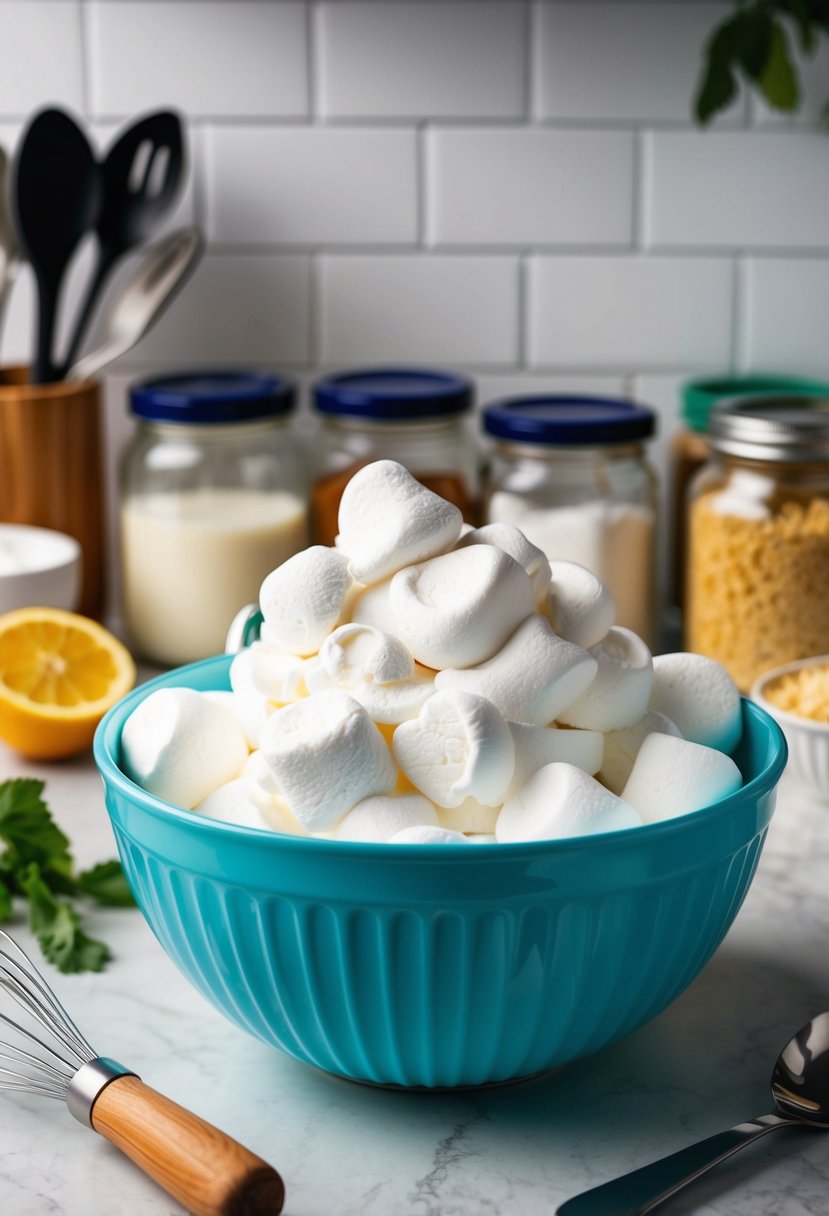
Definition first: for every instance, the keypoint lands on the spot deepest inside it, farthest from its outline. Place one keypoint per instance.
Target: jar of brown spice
(415, 416)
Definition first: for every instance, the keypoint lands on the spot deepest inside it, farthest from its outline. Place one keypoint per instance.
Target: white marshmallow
(395, 703)
(278, 817)
(674, 776)
(305, 598)
(619, 694)
(388, 520)
(378, 818)
(238, 801)
(256, 769)
(580, 607)
(533, 678)
(470, 816)
(356, 654)
(621, 747)
(372, 606)
(562, 800)
(276, 675)
(427, 835)
(513, 541)
(458, 747)
(326, 755)
(251, 711)
(700, 696)
(460, 609)
(536, 746)
(181, 746)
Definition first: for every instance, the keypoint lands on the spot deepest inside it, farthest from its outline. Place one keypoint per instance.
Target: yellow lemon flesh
(59, 674)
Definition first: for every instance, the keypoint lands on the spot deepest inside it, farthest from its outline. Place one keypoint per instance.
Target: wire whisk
(47, 1055)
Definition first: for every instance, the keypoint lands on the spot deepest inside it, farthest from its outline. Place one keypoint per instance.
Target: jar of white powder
(571, 473)
(213, 497)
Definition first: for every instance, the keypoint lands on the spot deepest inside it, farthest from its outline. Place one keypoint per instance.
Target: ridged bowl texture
(438, 965)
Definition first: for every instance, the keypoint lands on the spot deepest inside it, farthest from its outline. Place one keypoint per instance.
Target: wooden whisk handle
(205, 1170)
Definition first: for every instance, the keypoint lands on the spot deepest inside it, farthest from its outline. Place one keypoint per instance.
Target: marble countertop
(520, 1150)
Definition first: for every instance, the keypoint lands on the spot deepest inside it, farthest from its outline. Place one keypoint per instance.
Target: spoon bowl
(159, 276)
(800, 1088)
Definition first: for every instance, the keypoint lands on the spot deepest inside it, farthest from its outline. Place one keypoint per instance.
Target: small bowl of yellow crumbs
(797, 697)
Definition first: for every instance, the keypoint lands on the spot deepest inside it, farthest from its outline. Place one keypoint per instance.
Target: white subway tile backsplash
(739, 189)
(625, 62)
(629, 312)
(236, 310)
(42, 56)
(529, 185)
(422, 60)
(310, 185)
(240, 58)
(494, 386)
(420, 309)
(787, 310)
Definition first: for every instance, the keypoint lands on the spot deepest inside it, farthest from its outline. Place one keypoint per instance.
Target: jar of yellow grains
(757, 590)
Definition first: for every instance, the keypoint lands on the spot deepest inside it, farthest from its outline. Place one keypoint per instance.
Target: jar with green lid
(758, 553)
(690, 448)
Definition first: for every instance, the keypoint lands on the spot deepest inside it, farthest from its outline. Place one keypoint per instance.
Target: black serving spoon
(55, 198)
(141, 177)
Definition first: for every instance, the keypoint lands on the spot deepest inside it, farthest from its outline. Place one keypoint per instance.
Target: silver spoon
(9, 244)
(800, 1088)
(159, 276)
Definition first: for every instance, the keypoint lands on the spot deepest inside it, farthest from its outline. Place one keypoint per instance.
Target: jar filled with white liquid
(571, 473)
(213, 497)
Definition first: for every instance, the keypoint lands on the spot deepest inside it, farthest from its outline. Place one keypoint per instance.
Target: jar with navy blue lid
(415, 416)
(213, 497)
(571, 473)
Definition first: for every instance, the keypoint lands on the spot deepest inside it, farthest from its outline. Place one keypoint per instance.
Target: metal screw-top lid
(794, 429)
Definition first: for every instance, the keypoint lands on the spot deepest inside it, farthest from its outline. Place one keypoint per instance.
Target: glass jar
(213, 497)
(416, 417)
(758, 555)
(690, 448)
(571, 473)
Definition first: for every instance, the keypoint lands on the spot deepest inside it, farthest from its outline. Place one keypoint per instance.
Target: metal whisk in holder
(46, 1055)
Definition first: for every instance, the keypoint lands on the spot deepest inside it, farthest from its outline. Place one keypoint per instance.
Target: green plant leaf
(779, 80)
(718, 85)
(753, 35)
(57, 927)
(5, 902)
(106, 884)
(27, 827)
(799, 11)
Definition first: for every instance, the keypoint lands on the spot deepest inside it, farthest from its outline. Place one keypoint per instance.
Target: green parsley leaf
(106, 884)
(57, 927)
(27, 827)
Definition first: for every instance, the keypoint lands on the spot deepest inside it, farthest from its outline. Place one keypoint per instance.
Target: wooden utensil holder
(51, 468)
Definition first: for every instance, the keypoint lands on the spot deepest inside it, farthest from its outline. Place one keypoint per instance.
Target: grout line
(423, 184)
(741, 314)
(532, 25)
(641, 189)
(84, 19)
(524, 287)
(314, 310)
(502, 250)
(313, 42)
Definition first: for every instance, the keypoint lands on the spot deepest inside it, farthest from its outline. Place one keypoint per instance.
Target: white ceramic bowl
(808, 739)
(38, 568)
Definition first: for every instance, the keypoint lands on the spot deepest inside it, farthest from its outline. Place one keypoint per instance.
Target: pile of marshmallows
(423, 681)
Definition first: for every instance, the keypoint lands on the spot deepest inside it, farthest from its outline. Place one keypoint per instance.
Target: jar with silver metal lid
(758, 537)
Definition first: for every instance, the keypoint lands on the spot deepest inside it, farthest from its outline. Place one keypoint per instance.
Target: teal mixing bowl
(438, 965)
